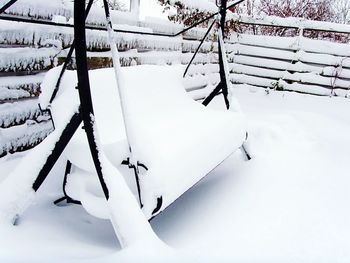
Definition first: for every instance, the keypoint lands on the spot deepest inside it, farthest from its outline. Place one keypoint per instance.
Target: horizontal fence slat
(288, 56)
(303, 78)
(18, 112)
(27, 59)
(23, 137)
(292, 44)
(292, 22)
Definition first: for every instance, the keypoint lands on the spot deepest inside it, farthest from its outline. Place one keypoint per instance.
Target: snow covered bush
(184, 14)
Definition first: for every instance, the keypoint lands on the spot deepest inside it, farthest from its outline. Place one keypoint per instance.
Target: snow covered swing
(148, 124)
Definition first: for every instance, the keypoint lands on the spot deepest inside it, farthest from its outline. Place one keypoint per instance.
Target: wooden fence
(291, 63)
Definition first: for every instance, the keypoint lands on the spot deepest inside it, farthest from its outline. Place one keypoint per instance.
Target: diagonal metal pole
(133, 162)
(4, 8)
(198, 48)
(87, 111)
(223, 67)
(213, 94)
(222, 54)
(69, 57)
(60, 145)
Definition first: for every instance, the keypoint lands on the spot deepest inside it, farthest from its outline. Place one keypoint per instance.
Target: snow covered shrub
(184, 14)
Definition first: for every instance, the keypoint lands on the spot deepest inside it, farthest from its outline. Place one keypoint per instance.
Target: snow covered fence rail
(291, 22)
(17, 113)
(27, 59)
(22, 126)
(61, 11)
(53, 9)
(16, 88)
(22, 137)
(291, 63)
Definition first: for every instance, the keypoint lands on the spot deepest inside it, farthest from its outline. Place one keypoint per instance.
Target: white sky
(149, 8)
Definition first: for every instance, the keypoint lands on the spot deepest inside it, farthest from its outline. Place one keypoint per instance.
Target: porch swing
(163, 128)
(168, 140)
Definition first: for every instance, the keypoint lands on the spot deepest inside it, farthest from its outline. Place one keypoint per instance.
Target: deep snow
(289, 204)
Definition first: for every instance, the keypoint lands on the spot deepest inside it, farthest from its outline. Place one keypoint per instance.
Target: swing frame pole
(7, 5)
(133, 162)
(223, 85)
(87, 111)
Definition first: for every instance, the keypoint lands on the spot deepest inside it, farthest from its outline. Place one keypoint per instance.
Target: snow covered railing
(291, 22)
(134, 57)
(18, 112)
(22, 126)
(15, 88)
(39, 8)
(23, 137)
(27, 59)
(62, 10)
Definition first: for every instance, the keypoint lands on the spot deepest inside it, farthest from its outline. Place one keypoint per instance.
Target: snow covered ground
(289, 204)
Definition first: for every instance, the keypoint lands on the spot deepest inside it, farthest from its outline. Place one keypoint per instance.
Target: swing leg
(245, 149)
(60, 145)
(51, 148)
(66, 197)
(127, 219)
(245, 152)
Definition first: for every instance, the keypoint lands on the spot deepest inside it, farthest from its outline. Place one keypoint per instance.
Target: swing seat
(176, 138)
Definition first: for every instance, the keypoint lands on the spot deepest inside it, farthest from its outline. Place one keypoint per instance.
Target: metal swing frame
(85, 114)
